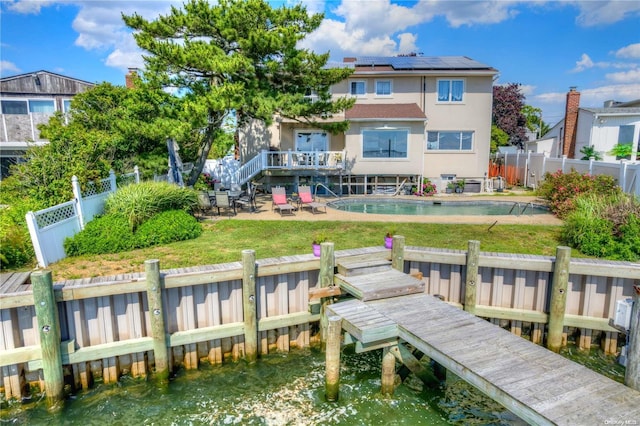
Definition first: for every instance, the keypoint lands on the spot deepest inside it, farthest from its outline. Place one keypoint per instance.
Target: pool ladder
(520, 210)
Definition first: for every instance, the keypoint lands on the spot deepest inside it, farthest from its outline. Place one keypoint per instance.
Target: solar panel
(421, 62)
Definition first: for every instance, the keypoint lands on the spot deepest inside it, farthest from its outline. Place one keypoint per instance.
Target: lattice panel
(127, 179)
(94, 188)
(50, 217)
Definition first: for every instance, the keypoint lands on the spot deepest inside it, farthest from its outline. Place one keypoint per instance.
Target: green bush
(110, 233)
(562, 189)
(607, 227)
(167, 227)
(140, 202)
(16, 249)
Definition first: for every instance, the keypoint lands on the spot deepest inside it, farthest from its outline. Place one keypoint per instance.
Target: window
(44, 106)
(14, 107)
(66, 104)
(27, 106)
(450, 141)
(383, 88)
(384, 143)
(357, 88)
(312, 141)
(450, 90)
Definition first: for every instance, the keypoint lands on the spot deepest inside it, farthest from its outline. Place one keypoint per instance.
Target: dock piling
(49, 326)
(559, 285)
(249, 305)
(473, 255)
(332, 357)
(632, 374)
(156, 315)
(397, 253)
(388, 371)
(325, 278)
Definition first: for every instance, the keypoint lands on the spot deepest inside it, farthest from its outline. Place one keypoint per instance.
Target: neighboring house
(414, 117)
(28, 100)
(603, 128)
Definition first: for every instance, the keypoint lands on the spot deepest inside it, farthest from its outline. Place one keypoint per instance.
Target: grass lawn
(223, 241)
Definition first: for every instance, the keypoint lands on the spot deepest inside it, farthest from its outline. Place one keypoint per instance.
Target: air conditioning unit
(622, 317)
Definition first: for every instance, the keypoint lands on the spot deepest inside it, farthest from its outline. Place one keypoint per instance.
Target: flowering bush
(562, 189)
(205, 182)
(426, 189)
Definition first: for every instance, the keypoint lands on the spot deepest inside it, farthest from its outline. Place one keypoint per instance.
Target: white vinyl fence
(50, 227)
(528, 169)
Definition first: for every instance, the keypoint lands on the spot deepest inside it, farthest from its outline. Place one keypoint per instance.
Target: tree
(534, 123)
(239, 56)
(498, 138)
(508, 103)
(109, 127)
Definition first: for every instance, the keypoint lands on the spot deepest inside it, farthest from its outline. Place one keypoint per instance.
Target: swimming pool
(422, 207)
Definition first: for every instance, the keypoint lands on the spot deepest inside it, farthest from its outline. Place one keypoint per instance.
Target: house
(28, 100)
(414, 117)
(603, 128)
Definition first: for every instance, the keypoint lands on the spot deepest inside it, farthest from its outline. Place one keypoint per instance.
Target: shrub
(16, 249)
(561, 189)
(606, 227)
(167, 227)
(140, 202)
(110, 233)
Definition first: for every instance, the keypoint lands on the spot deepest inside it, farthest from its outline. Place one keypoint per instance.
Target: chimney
(131, 78)
(571, 122)
(348, 59)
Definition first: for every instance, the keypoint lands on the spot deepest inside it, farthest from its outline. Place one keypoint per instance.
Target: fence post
(632, 374)
(32, 225)
(156, 314)
(112, 181)
(470, 286)
(136, 173)
(332, 358)
(564, 159)
(249, 305)
(559, 285)
(397, 253)
(77, 194)
(49, 327)
(325, 278)
(591, 160)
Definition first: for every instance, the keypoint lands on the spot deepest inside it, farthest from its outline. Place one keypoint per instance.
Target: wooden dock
(539, 386)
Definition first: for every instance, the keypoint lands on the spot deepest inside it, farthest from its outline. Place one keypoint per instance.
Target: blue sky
(546, 46)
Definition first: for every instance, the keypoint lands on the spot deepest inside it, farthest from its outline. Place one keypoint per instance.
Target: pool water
(436, 208)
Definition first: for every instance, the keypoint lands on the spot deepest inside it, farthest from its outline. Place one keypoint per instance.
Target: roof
(408, 112)
(30, 74)
(615, 110)
(461, 63)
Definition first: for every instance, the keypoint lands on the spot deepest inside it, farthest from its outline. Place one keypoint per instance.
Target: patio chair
(279, 201)
(224, 202)
(307, 200)
(248, 200)
(204, 203)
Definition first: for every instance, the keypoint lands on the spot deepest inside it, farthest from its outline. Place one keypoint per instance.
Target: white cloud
(527, 89)
(8, 67)
(632, 76)
(459, 13)
(407, 43)
(631, 51)
(584, 63)
(30, 6)
(594, 13)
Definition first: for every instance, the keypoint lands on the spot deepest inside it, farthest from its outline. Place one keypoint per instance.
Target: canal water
(282, 389)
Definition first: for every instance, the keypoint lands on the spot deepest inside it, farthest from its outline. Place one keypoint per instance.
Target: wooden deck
(539, 386)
